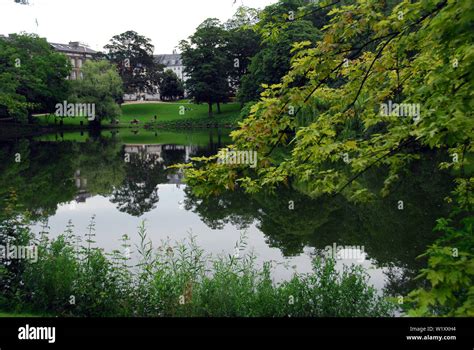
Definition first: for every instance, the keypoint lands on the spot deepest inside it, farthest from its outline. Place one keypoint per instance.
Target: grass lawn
(143, 136)
(8, 314)
(168, 114)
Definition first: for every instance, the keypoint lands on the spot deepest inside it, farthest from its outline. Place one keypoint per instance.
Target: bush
(75, 279)
(449, 275)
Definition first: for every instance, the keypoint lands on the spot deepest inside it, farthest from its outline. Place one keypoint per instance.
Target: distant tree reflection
(138, 193)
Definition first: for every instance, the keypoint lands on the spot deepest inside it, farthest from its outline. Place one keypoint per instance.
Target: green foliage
(50, 280)
(76, 279)
(206, 63)
(171, 87)
(242, 43)
(449, 290)
(133, 55)
(326, 113)
(32, 76)
(14, 231)
(101, 86)
(272, 62)
(343, 102)
(217, 56)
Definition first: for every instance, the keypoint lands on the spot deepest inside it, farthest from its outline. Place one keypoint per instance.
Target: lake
(123, 177)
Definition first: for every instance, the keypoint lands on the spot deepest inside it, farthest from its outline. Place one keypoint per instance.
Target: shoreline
(8, 132)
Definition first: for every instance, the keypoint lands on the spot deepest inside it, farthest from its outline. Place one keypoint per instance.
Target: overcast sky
(94, 22)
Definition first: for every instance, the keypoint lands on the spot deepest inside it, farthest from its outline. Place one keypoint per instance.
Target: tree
(133, 55)
(101, 86)
(389, 64)
(272, 62)
(383, 89)
(171, 87)
(242, 43)
(138, 194)
(278, 27)
(32, 76)
(244, 17)
(207, 64)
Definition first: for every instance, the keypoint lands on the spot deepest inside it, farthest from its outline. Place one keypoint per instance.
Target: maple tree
(322, 128)
(344, 117)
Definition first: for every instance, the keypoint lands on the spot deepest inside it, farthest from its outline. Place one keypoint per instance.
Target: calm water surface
(123, 178)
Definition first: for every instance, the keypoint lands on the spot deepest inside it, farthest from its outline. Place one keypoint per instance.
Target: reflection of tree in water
(47, 172)
(216, 140)
(401, 280)
(100, 162)
(173, 156)
(138, 193)
(41, 178)
(230, 207)
(391, 237)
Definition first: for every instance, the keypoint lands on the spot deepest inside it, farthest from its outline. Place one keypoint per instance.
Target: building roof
(169, 60)
(73, 47)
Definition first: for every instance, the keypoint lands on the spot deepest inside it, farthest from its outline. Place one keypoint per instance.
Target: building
(77, 53)
(172, 62)
(81, 184)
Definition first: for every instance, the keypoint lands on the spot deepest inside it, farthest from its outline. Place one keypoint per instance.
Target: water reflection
(130, 171)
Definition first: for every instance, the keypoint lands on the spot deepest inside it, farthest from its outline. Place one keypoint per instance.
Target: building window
(79, 63)
(73, 62)
(81, 75)
(73, 75)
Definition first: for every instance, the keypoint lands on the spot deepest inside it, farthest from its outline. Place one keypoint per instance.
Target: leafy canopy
(101, 86)
(132, 53)
(32, 76)
(326, 111)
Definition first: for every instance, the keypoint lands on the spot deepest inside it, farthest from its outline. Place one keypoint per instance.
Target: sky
(94, 22)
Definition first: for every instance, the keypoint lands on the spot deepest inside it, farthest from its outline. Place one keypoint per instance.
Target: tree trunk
(218, 107)
(94, 124)
(210, 109)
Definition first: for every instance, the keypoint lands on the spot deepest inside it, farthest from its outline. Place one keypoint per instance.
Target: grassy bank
(178, 114)
(17, 315)
(11, 131)
(78, 279)
(145, 136)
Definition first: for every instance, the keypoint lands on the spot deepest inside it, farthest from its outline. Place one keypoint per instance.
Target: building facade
(172, 62)
(77, 53)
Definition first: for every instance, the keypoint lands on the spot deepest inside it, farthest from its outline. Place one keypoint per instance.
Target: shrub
(76, 279)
